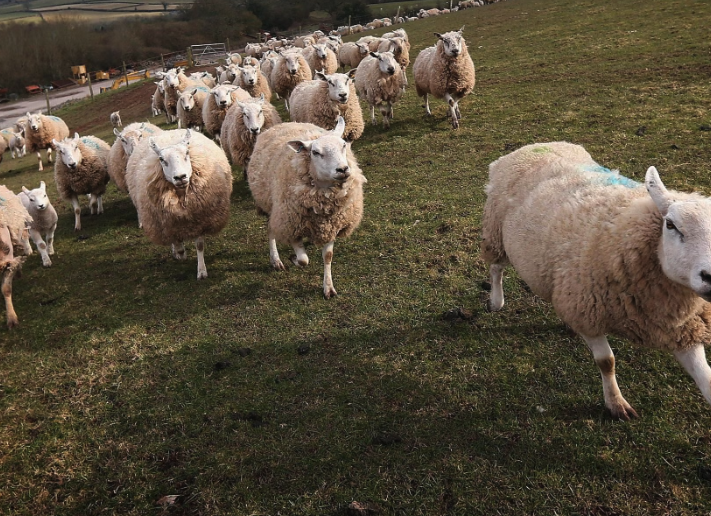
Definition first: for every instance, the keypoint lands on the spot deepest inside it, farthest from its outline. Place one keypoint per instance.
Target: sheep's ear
(657, 191)
(241, 105)
(193, 92)
(438, 35)
(462, 29)
(261, 98)
(25, 190)
(28, 114)
(351, 73)
(43, 186)
(188, 134)
(321, 75)
(76, 137)
(300, 145)
(375, 55)
(154, 145)
(117, 133)
(55, 142)
(340, 127)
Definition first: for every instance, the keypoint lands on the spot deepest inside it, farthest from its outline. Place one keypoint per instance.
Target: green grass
(129, 380)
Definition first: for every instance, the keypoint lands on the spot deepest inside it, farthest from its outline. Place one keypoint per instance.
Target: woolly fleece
(117, 156)
(237, 141)
(91, 176)
(437, 73)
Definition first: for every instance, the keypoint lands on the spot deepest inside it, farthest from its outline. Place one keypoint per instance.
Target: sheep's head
(175, 161)
(453, 42)
(362, 48)
(253, 114)
(170, 80)
(320, 50)
(685, 249)
(38, 197)
(292, 63)
(223, 95)
(328, 153)
(68, 150)
(129, 139)
(187, 99)
(386, 62)
(249, 75)
(19, 138)
(34, 121)
(338, 85)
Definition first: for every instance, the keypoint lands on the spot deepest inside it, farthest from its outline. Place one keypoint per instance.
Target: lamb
(14, 246)
(322, 101)
(115, 119)
(122, 148)
(229, 74)
(351, 54)
(243, 123)
(380, 82)
(18, 147)
(252, 80)
(180, 182)
(42, 130)
(445, 71)
(320, 57)
(215, 107)
(174, 83)
(267, 66)
(314, 194)
(189, 108)
(288, 72)
(82, 169)
(612, 255)
(157, 100)
(44, 220)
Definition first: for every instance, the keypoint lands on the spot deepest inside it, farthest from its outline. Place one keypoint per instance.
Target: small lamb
(115, 118)
(189, 108)
(18, 147)
(307, 181)
(157, 100)
(44, 220)
(41, 132)
(380, 82)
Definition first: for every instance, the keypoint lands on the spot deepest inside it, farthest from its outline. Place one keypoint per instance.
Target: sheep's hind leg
(274, 254)
(49, 237)
(301, 259)
(694, 362)
(100, 199)
(49, 154)
(452, 110)
(372, 115)
(427, 105)
(39, 159)
(93, 204)
(200, 246)
(178, 251)
(496, 299)
(77, 213)
(327, 253)
(41, 247)
(384, 114)
(605, 360)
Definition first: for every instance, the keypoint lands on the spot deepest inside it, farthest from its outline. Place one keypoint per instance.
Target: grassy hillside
(249, 394)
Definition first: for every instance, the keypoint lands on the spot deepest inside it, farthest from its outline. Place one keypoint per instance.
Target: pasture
(97, 10)
(249, 394)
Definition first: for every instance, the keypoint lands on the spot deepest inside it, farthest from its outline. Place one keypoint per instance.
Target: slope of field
(133, 389)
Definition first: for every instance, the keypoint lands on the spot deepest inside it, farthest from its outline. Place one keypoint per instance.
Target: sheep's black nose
(255, 131)
(343, 170)
(391, 70)
(73, 165)
(223, 102)
(706, 277)
(181, 177)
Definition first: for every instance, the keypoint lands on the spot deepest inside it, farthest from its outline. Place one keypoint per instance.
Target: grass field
(249, 394)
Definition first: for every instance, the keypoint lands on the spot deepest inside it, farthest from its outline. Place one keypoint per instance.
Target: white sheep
(122, 148)
(320, 57)
(380, 82)
(14, 246)
(315, 195)
(115, 119)
(445, 71)
(40, 132)
(44, 220)
(205, 77)
(189, 108)
(180, 182)
(157, 100)
(322, 101)
(252, 80)
(215, 107)
(613, 256)
(234, 58)
(18, 147)
(82, 169)
(290, 69)
(351, 54)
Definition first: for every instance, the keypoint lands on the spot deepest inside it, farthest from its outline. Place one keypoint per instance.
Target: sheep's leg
(179, 124)
(496, 299)
(286, 104)
(6, 255)
(77, 213)
(274, 253)
(49, 237)
(391, 113)
(24, 151)
(41, 247)
(384, 113)
(452, 110)
(49, 154)
(427, 104)
(327, 253)
(372, 114)
(93, 204)
(694, 362)
(100, 200)
(301, 259)
(178, 251)
(605, 360)
(39, 158)
(200, 246)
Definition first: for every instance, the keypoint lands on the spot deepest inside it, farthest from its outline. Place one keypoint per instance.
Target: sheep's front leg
(286, 104)
(39, 159)
(605, 360)
(372, 114)
(327, 253)
(452, 110)
(49, 154)
(694, 362)
(49, 237)
(200, 246)
(384, 113)
(301, 259)
(274, 253)
(77, 213)
(12, 320)
(100, 200)
(427, 105)
(41, 247)
(496, 299)
(178, 251)
(93, 204)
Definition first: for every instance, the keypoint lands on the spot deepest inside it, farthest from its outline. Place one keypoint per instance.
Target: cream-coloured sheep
(189, 108)
(122, 148)
(322, 101)
(252, 80)
(234, 58)
(372, 42)
(215, 107)
(157, 100)
(612, 256)
(180, 182)
(445, 71)
(18, 147)
(321, 58)
(176, 82)
(290, 69)
(351, 54)
(115, 119)
(14, 246)
(40, 132)
(44, 220)
(82, 169)
(380, 82)
(3, 147)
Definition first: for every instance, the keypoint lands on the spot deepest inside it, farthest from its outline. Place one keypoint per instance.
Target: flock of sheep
(611, 255)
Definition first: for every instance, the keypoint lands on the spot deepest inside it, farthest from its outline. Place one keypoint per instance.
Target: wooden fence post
(46, 96)
(190, 57)
(91, 89)
(125, 75)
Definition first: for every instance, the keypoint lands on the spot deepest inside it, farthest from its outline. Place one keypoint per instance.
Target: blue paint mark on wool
(89, 143)
(611, 177)
(55, 118)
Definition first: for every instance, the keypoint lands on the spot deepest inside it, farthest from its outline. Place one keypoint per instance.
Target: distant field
(390, 9)
(84, 10)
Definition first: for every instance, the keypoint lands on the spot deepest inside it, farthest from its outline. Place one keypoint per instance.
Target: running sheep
(189, 108)
(380, 82)
(252, 80)
(41, 131)
(115, 119)
(157, 100)
(18, 147)
(215, 107)
(612, 255)
(290, 69)
(14, 246)
(122, 148)
(44, 220)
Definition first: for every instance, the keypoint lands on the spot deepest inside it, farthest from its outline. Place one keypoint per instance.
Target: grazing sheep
(115, 119)
(315, 194)
(215, 107)
(322, 101)
(122, 148)
(321, 58)
(290, 69)
(18, 147)
(351, 54)
(180, 182)
(157, 100)
(190, 105)
(380, 82)
(41, 131)
(612, 255)
(14, 246)
(243, 123)
(44, 220)
(445, 71)
(82, 170)
(252, 80)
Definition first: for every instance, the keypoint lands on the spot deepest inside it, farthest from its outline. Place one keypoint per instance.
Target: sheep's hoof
(622, 410)
(298, 263)
(202, 275)
(47, 263)
(455, 124)
(12, 323)
(329, 292)
(278, 265)
(491, 307)
(77, 228)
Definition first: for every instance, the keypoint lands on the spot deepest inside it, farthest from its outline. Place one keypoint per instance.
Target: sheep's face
(175, 161)
(685, 248)
(223, 96)
(386, 62)
(320, 51)
(187, 99)
(129, 140)
(34, 121)
(249, 75)
(253, 115)
(292, 63)
(19, 139)
(68, 150)
(38, 197)
(363, 49)
(328, 156)
(338, 86)
(453, 42)
(170, 81)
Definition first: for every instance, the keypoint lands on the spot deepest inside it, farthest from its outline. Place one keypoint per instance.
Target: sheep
(3, 147)
(205, 77)
(304, 41)
(82, 169)
(122, 148)
(445, 71)
(189, 108)
(398, 33)
(44, 220)
(400, 49)
(229, 74)
(252, 80)
(115, 119)
(612, 255)
(180, 182)
(174, 83)
(253, 50)
(375, 24)
(41, 130)
(215, 107)
(267, 66)
(380, 82)
(234, 58)
(18, 147)
(243, 123)
(307, 181)
(14, 246)
(250, 61)
(157, 100)
(351, 54)
(290, 69)
(332, 42)
(372, 42)
(320, 57)
(322, 101)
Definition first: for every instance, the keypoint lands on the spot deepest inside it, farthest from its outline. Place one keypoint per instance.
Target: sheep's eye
(161, 159)
(670, 225)
(316, 153)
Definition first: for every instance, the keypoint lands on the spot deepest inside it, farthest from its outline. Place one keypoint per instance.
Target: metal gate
(208, 54)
